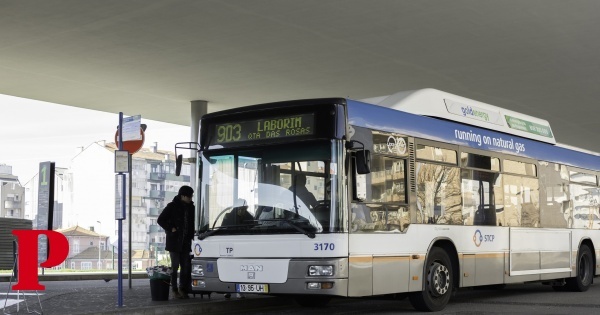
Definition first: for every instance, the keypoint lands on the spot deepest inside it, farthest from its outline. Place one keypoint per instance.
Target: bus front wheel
(585, 271)
(438, 283)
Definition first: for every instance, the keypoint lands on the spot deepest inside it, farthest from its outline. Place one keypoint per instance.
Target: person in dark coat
(177, 219)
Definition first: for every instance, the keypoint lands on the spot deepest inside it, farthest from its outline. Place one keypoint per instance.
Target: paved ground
(100, 297)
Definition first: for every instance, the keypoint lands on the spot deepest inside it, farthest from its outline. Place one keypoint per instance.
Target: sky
(34, 131)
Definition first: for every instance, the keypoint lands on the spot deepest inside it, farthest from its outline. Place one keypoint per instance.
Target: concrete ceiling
(152, 58)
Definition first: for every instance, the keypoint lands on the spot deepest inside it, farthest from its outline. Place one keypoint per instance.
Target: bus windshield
(277, 189)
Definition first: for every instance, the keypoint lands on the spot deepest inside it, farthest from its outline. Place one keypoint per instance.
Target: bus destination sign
(265, 129)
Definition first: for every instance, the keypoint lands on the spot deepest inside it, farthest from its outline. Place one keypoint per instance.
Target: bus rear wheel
(585, 271)
(438, 283)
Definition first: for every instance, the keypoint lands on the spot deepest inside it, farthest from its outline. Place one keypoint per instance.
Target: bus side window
(438, 194)
(482, 197)
(360, 217)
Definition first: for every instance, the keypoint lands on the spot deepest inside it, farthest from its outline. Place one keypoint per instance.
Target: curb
(80, 276)
(206, 307)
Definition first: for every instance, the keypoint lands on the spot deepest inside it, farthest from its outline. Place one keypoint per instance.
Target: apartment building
(90, 200)
(11, 194)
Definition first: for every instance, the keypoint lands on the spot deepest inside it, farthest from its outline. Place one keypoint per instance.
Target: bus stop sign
(131, 146)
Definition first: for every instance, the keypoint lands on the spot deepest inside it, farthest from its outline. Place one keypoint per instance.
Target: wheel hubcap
(438, 279)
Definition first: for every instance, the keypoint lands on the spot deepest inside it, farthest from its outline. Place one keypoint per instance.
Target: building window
(86, 265)
(76, 247)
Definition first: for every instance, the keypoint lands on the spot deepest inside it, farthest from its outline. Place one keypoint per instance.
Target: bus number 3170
(324, 246)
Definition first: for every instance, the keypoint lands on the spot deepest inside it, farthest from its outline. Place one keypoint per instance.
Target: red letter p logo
(27, 276)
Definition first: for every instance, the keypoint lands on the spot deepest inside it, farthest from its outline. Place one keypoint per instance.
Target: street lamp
(99, 266)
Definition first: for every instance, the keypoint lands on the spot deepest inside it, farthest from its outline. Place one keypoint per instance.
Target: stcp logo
(27, 266)
(477, 238)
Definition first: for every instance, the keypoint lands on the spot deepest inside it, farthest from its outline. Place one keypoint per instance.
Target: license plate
(252, 288)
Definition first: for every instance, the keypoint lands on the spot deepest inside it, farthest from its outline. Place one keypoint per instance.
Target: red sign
(131, 146)
(27, 268)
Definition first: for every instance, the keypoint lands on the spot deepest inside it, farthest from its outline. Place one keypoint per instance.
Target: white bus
(420, 192)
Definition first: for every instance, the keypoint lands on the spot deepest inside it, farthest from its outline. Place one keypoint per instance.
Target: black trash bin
(159, 289)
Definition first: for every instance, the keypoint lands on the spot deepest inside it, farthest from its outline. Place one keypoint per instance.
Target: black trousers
(181, 259)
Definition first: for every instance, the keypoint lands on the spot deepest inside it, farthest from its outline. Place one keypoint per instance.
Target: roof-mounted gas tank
(436, 103)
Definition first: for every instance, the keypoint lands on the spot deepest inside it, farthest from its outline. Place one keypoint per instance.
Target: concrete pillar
(199, 108)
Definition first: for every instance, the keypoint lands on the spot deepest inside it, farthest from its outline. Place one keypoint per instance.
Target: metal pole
(120, 248)
(99, 265)
(130, 219)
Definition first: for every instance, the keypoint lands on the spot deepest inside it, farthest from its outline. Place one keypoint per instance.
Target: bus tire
(438, 283)
(312, 300)
(585, 271)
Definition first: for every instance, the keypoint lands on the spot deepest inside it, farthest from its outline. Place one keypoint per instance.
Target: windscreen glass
(277, 189)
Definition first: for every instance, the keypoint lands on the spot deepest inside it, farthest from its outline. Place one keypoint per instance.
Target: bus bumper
(339, 287)
(297, 281)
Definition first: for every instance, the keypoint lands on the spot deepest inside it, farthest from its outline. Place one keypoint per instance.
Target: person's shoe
(177, 294)
(183, 294)
(227, 295)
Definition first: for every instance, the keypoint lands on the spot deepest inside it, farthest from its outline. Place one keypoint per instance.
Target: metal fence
(7, 225)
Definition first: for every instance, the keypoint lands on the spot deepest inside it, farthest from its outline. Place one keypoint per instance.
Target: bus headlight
(198, 270)
(319, 285)
(320, 270)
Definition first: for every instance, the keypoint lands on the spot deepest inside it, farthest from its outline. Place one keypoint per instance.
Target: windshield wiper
(210, 232)
(221, 228)
(293, 225)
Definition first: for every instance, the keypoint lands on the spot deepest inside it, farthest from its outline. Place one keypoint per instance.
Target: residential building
(11, 194)
(88, 241)
(108, 260)
(90, 250)
(91, 201)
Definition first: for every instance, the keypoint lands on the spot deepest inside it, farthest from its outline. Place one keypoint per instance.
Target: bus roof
(397, 121)
(436, 103)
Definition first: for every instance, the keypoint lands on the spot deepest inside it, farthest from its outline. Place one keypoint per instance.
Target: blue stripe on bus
(390, 120)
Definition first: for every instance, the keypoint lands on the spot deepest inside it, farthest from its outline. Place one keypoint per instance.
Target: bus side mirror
(363, 162)
(178, 163)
